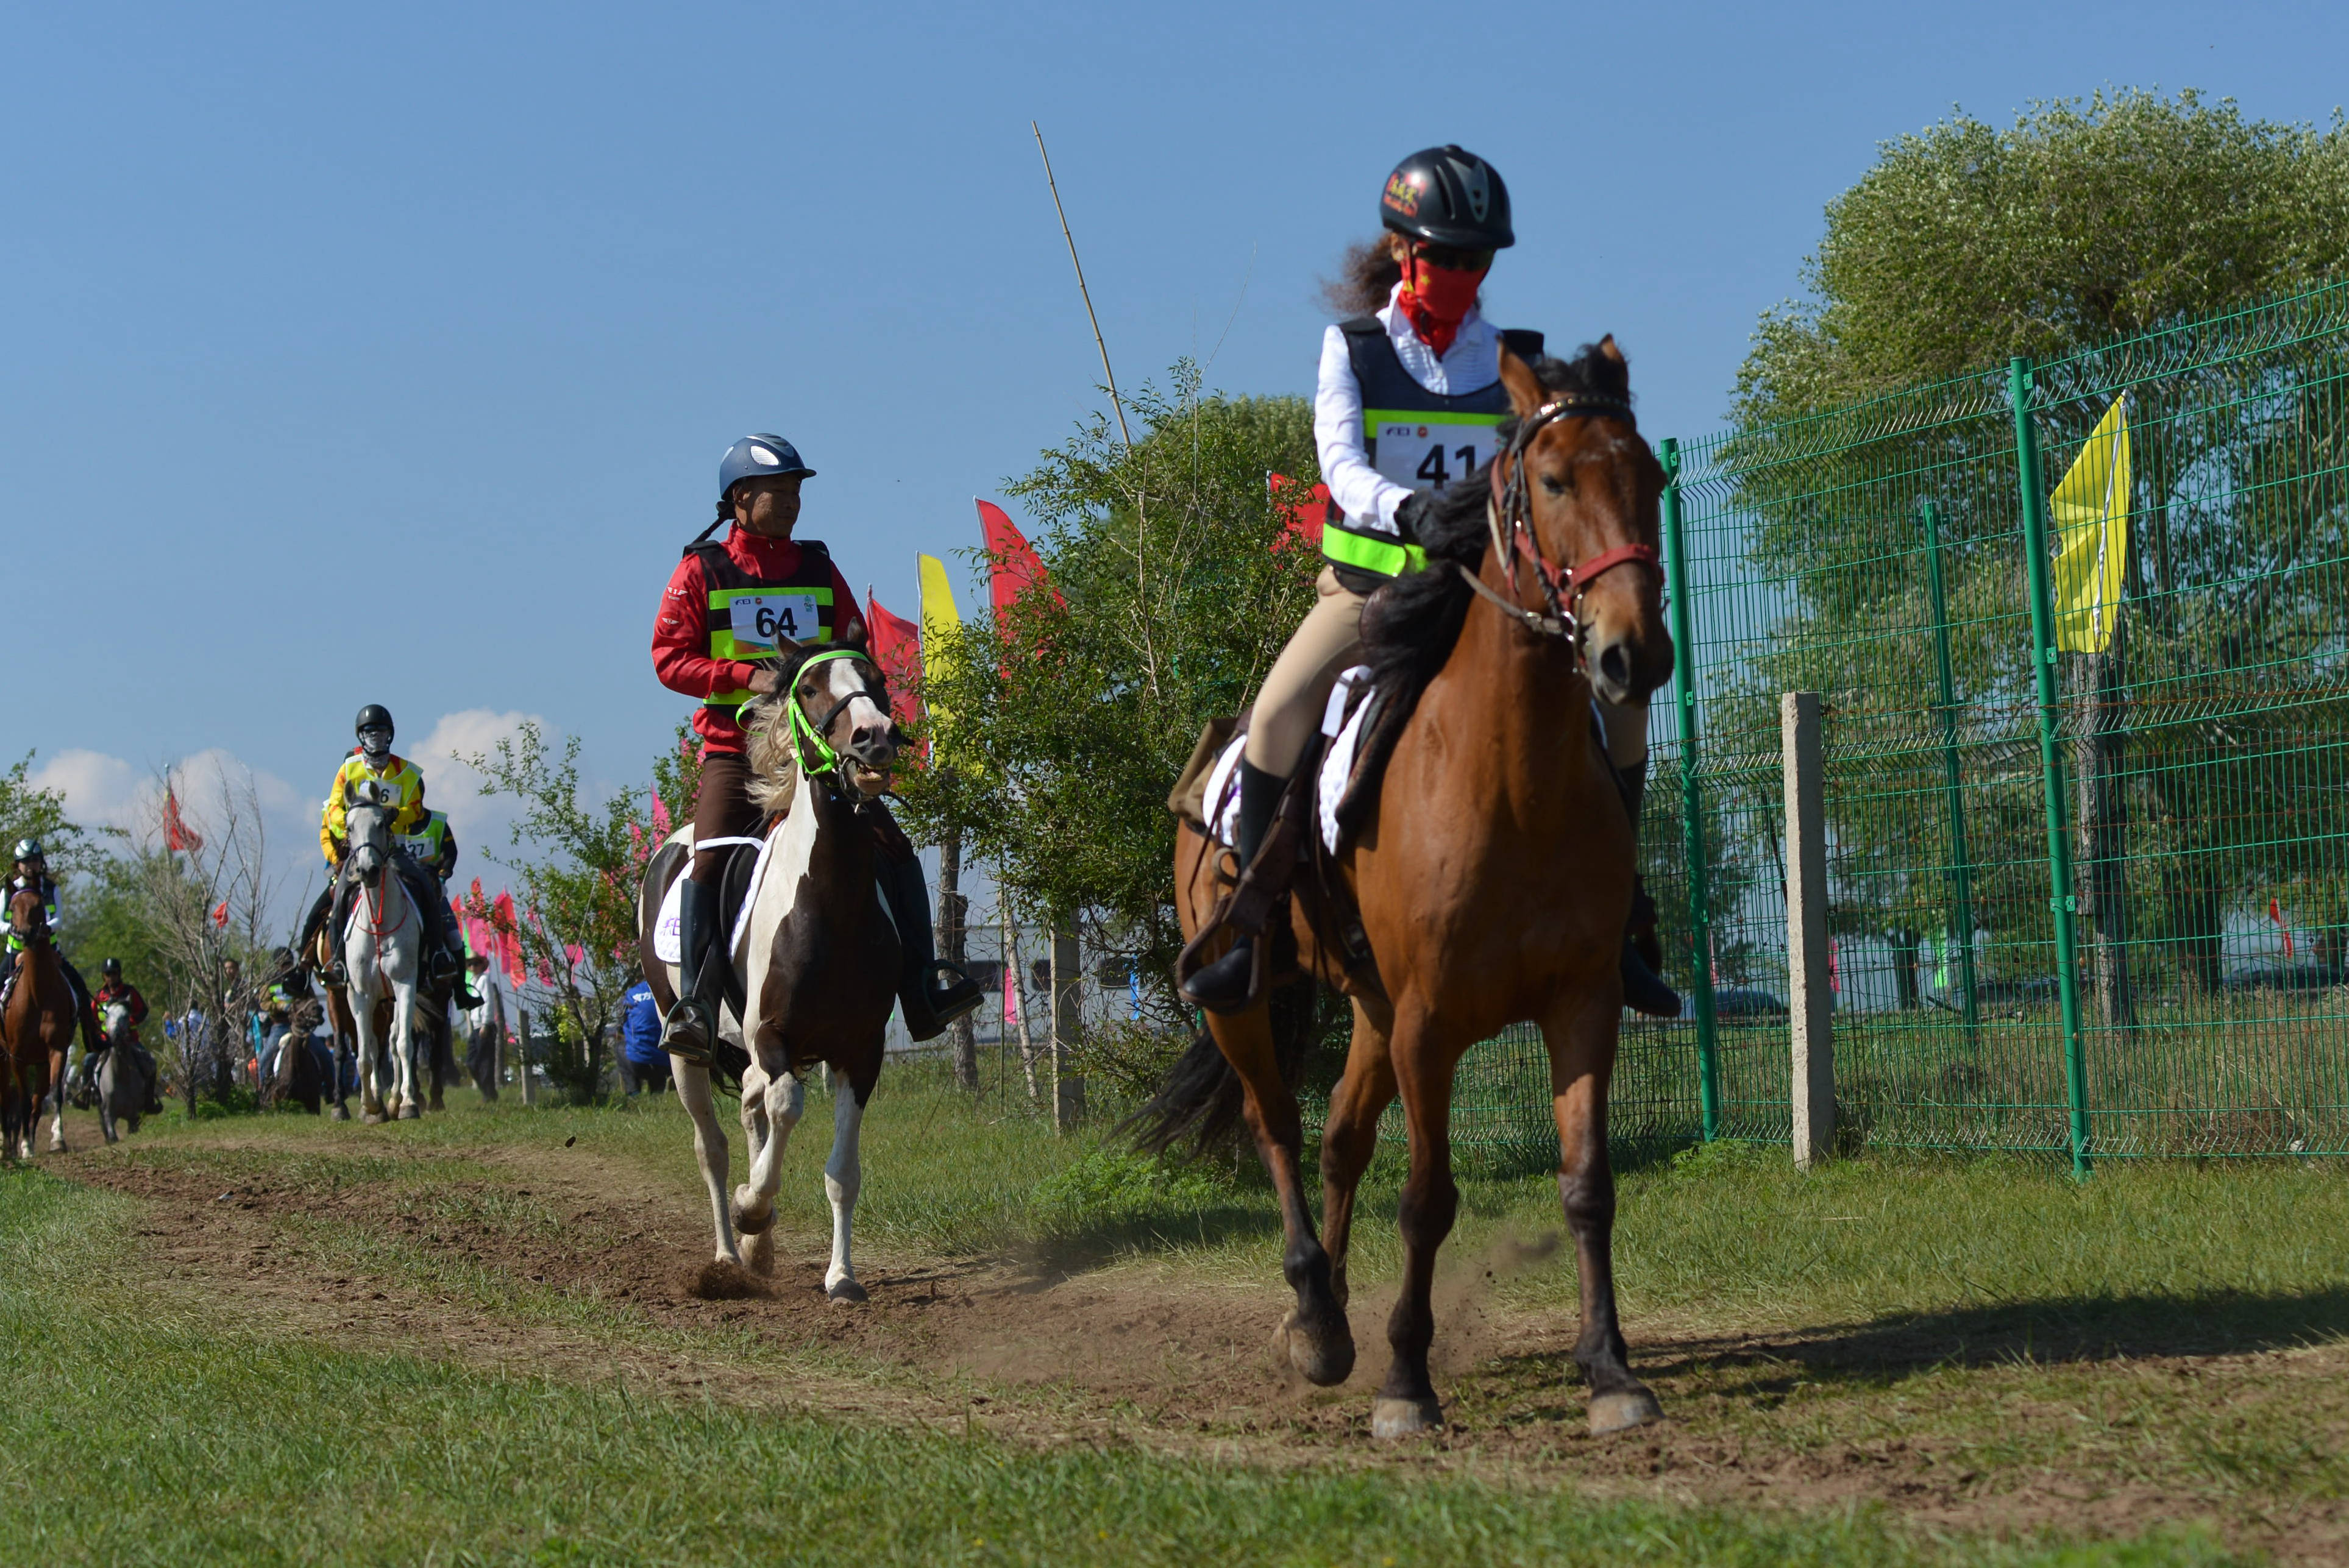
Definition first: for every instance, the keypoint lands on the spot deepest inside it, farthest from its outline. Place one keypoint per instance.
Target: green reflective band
(1373, 418)
(759, 642)
(1366, 553)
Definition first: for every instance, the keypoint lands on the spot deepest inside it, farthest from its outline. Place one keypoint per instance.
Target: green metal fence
(2095, 903)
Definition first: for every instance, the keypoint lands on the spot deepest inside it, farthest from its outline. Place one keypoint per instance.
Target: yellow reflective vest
(397, 772)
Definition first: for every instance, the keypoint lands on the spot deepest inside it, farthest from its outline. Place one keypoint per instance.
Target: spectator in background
(640, 1031)
(485, 1027)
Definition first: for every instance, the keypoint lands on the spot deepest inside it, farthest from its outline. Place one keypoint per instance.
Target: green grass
(141, 1426)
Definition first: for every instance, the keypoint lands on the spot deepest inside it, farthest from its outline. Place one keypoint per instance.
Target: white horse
(383, 953)
(818, 954)
(122, 1075)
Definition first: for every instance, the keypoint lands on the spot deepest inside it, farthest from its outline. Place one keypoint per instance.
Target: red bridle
(1510, 515)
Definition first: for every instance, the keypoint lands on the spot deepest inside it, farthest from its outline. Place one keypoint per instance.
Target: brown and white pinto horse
(1494, 881)
(36, 1031)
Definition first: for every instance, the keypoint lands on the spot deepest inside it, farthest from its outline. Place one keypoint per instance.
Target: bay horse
(1493, 877)
(383, 953)
(817, 955)
(36, 1031)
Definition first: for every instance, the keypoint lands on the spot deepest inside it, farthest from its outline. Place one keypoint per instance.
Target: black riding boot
(931, 993)
(1222, 986)
(691, 1023)
(1644, 990)
(337, 972)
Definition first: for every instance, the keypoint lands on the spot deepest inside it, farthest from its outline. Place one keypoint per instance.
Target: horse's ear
(855, 636)
(1526, 391)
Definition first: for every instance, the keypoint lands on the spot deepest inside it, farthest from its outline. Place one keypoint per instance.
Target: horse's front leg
(757, 1246)
(708, 1148)
(1320, 1346)
(1350, 1137)
(1406, 1401)
(363, 1032)
(843, 1175)
(409, 1104)
(58, 1102)
(1581, 1061)
(754, 1200)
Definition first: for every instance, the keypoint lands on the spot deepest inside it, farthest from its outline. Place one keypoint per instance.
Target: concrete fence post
(1068, 1026)
(529, 1090)
(1810, 998)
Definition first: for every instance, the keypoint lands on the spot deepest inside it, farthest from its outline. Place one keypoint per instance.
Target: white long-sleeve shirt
(1369, 498)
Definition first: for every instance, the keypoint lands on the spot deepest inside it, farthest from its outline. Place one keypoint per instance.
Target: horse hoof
(1323, 1358)
(372, 1119)
(411, 1112)
(342, 1113)
(846, 1289)
(1620, 1412)
(1392, 1417)
(745, 1222)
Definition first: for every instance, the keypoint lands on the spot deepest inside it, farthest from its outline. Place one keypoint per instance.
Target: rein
(806, 733)
(1509, 515)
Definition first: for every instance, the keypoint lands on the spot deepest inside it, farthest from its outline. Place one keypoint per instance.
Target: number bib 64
(1429, 451)
(760, 620)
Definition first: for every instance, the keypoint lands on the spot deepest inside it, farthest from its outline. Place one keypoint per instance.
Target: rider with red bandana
(1409, 398)
(730, 602)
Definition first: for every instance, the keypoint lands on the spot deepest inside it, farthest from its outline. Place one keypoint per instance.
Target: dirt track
(1806, 1416)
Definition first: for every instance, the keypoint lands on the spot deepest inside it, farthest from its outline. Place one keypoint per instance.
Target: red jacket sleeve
(847, 621)
(138, 1007)
(681, 639)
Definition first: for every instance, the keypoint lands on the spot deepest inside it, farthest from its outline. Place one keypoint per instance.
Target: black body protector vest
(747, 616)
(1419, 439)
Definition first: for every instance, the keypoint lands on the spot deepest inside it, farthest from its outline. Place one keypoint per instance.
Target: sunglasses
(1450, 260)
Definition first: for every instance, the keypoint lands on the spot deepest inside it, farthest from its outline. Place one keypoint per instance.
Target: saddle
(1330, 795)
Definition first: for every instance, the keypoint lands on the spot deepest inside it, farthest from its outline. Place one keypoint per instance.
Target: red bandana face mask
(1436, 300)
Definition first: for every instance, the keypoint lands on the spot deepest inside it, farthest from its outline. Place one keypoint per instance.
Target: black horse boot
(1222, 986)
(931, 993)
(691, 1024)
(1644, 990)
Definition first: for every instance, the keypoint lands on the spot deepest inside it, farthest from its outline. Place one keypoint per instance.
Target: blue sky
(388, 354)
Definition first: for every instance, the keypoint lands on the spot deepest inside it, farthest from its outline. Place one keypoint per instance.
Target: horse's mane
(1411, 623)
(767, 724)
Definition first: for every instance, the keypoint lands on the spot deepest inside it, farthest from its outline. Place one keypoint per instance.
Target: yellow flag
(2090, 512)
(940, 621)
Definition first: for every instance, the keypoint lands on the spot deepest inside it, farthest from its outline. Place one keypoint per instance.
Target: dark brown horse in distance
(1494, 877)
(34, 1031)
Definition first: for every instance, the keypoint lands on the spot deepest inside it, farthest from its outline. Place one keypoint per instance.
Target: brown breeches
(722, 808)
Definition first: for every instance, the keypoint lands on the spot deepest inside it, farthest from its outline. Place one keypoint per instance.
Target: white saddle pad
(668, 942)
(1223, 794)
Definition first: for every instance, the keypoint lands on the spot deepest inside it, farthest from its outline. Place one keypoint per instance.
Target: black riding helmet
(1448, 196)
(113, 969)
(373, 716)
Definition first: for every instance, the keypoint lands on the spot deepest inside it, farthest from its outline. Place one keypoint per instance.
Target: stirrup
(689, 1030)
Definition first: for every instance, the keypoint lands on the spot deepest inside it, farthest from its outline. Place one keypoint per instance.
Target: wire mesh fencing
(2084, 757)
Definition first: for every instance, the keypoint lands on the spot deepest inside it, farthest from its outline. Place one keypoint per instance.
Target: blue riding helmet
(754, 457)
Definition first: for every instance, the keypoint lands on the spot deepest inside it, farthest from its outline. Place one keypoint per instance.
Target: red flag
(219, 918)
(502, 917)
(1302, 519)
(1014, 566)
(177, 835)
(2275, 913)
(898, 649)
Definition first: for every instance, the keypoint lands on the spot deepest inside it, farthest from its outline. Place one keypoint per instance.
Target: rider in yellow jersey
(373, 760)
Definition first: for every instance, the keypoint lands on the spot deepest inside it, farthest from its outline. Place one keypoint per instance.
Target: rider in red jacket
(728, 603)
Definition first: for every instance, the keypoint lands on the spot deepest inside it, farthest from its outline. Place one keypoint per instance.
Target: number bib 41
(1429, 451)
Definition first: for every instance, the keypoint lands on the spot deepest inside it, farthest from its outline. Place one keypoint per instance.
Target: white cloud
(101, 791)
(480, 821)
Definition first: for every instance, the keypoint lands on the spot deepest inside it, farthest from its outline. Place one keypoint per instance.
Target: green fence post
(2059, 847)
(1962, 871)
(1700, 920)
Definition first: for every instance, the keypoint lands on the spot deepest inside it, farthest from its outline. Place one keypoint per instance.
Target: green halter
(805, 734)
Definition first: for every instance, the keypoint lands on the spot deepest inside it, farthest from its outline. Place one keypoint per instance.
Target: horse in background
(817, 955)
(35, 1030)
(1497, 894)
(122, 1075)
(383, 953)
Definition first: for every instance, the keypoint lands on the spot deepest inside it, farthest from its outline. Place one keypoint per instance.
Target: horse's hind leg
(1406, 1402)
(1320, 1346)
(1582, 1058)
(708, 1149)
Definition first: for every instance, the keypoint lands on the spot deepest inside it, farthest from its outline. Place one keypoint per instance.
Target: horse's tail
(1201, 1099)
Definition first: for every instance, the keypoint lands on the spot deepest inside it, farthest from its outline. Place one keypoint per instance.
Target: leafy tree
(1063, 724)
(29, 811)
(577, 865)
(2085, 235)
